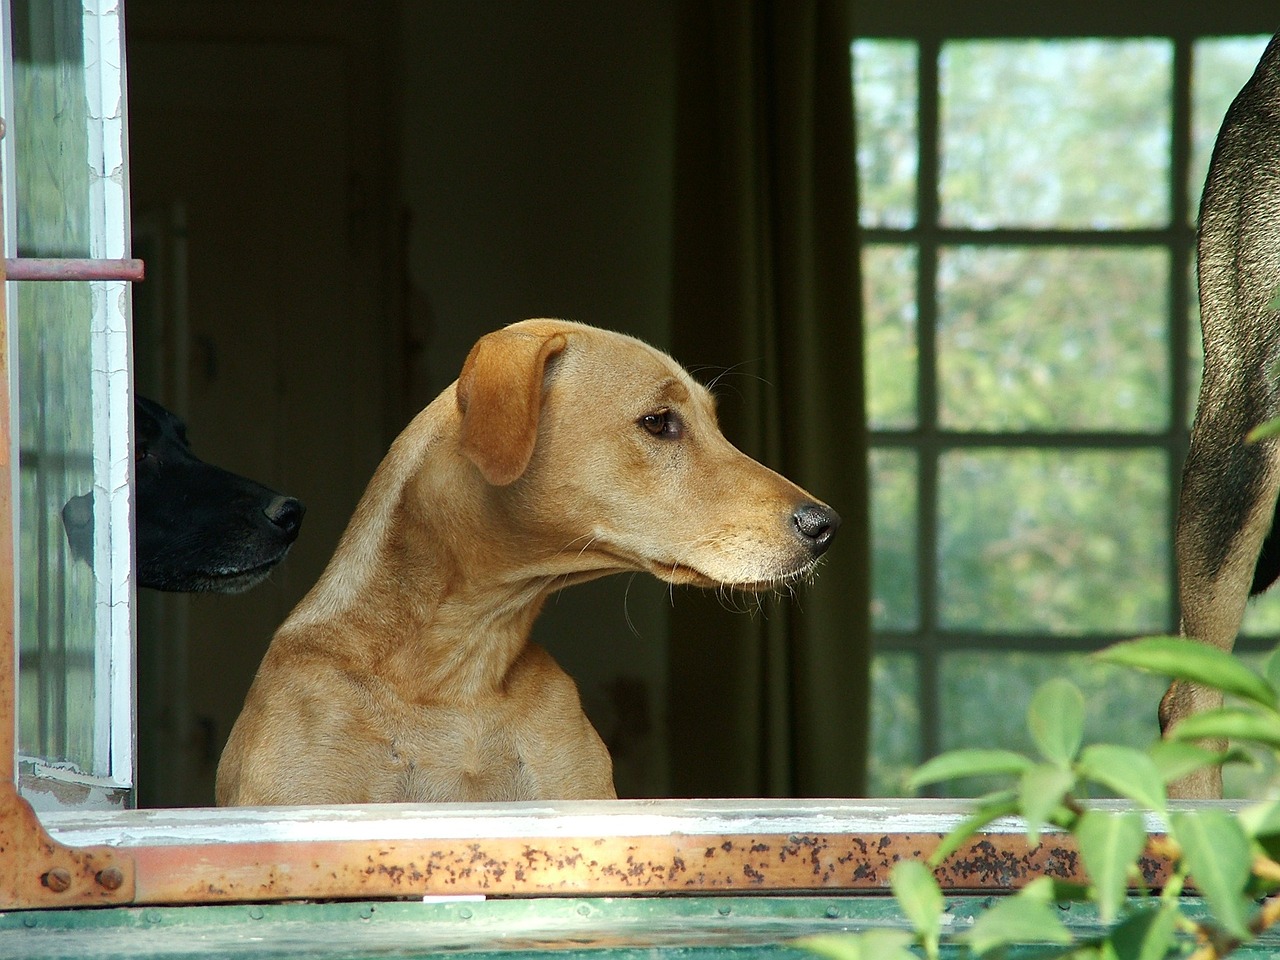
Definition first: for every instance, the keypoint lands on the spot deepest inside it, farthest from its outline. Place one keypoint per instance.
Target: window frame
(107, 271)
(593, 848)
(930, 639)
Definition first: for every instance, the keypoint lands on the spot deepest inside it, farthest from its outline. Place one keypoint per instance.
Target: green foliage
(1232, 860)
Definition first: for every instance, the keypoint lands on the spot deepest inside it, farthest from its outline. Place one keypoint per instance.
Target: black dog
(199, 528)
(1227, 539)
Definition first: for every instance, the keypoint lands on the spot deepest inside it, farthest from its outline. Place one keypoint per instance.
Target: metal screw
(58, 879)
(110, 878)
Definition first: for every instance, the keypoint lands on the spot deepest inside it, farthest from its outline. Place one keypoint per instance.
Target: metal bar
(8, 600)
(37, 268)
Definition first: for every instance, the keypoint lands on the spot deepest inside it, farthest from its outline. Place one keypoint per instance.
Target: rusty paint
(36, 871)
(597, 866)
(64, 269)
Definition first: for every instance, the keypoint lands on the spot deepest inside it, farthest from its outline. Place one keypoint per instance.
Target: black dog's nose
(816, 526)
(286, 513)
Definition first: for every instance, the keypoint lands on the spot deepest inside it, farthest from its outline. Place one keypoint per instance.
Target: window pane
(1056, 338)
(73, 382)
(1067, 133)
(55, 427)
(894, 595)
(1122, 703)
(885, 98)
(1262, 615)
(1219, 68)
(889, 343)
(1066, 542)
(895, 724)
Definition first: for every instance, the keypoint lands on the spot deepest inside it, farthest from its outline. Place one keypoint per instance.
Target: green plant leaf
(991, 807)
(1261, 819)
(1017, 919)
(1271, 668)
(1230, 723)
(1129, 772)
(1146, 934)
(969, 763)
(1216, 851)
(1184, 659)
(1055, 720)
(918, 893)
(1262, 431)
(1175, 758)
(867, 945)
(1110, 844)
(1041, 791)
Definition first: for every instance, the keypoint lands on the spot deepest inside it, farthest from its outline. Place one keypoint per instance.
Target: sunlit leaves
(1028, 917)
(969, 763)
(1216, 850)
(1110, 844)
(1128, 772)
(1056, 720)
(920, 897)
(877, 944)
(1183, 659)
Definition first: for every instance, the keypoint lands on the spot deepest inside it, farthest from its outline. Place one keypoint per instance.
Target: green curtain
(774, 703)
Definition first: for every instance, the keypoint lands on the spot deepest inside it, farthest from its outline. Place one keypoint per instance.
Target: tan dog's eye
(664, 424)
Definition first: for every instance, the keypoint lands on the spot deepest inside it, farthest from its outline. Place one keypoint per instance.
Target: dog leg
(1228, 499)
(1227, 508)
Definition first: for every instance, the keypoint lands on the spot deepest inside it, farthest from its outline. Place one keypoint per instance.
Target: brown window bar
(39, 268)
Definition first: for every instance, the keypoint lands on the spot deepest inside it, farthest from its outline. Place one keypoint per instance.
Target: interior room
(335, 199)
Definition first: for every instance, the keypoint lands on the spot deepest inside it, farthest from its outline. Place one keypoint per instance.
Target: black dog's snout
(816, 526)
(286, 513)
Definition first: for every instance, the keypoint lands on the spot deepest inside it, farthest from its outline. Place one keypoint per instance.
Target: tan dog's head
(607, 453)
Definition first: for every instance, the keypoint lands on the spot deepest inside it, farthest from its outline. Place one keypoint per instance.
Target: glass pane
(1053, 338)
(889, 343)
(1262, 615)
(67, 137)
(57, 592)
(1055, 133)
(895, 724)
(1065, 542)
(1219, 68)
(885, 98)
(1121, 702)
(894, 524)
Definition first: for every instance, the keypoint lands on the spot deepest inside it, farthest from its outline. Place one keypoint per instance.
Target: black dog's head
(199, 528)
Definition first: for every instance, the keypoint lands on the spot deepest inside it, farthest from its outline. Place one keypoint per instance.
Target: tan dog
(562, 453)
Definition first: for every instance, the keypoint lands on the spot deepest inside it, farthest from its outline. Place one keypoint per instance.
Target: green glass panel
(895, 724)
(890, 335)
(1066, 542)
(885, 100)
(55, 412)
(1055, 133)
(984, 697)
(1219, 68)
(894, 526)
(1054, 338)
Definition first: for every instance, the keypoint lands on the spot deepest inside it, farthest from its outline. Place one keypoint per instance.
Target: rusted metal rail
(36, 268)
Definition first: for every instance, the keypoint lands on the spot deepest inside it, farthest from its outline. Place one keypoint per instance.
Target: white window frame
(110, 781)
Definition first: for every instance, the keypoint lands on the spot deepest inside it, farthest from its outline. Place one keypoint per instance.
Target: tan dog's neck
(412, 592)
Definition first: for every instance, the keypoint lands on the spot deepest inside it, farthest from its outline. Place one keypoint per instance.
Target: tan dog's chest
(511, 745)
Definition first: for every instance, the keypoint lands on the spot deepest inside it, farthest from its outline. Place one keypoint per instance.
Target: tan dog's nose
(816, 525)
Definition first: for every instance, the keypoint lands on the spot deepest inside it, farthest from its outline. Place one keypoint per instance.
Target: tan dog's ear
(500, 396)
